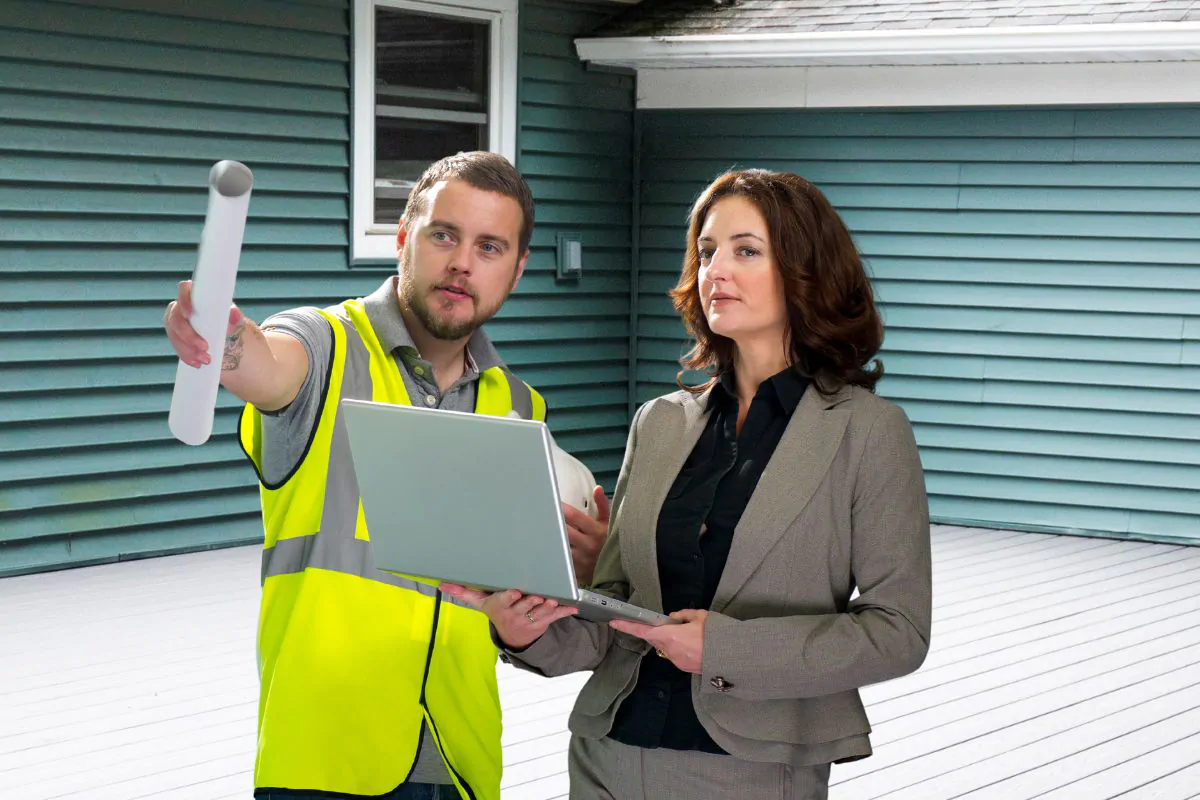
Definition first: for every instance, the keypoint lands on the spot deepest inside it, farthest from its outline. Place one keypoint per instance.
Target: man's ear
(520, 269)
(401, 236)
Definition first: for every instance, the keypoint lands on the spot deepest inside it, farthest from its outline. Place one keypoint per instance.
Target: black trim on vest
(416, 757)
(437, 611)
(312, 434)
(437, 737)
(438, 741)
(303, 794)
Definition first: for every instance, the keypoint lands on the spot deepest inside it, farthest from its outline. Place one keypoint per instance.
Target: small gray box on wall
(570, 256)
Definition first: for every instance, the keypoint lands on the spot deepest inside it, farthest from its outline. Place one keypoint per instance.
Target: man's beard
(422, 303)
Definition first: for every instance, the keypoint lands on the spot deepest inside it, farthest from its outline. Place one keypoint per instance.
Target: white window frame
(373, 242)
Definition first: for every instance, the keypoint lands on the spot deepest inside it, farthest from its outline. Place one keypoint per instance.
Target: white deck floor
(1061, 668)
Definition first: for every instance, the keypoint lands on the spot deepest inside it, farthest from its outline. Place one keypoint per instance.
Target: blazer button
(720, 684)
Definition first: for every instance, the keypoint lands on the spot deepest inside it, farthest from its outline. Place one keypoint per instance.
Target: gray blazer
(840, 505)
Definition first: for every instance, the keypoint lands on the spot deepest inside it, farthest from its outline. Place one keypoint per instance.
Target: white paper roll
(195, 397)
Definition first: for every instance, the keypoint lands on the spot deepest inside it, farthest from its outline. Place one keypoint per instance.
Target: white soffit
(1133, 42)
(919, 87)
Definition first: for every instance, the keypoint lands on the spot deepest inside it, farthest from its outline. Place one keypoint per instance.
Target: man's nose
(460, 259)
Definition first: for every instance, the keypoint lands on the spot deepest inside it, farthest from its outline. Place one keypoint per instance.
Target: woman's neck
(753, 363)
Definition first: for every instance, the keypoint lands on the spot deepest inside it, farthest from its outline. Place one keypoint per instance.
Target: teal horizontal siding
(212, 92)
(111, 114)
(148, 115)
(49, 138)
(45, 46)
(1038, 276)
(289, 29)
(79, 173)
(576, 150)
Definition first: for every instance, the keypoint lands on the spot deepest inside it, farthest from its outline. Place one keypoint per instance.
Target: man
(374, 685)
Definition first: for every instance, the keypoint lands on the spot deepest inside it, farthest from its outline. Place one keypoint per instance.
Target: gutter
(1156, 41)
(635, 261)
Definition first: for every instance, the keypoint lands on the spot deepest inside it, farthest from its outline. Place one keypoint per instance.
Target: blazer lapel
(792, 476)
(669, 448)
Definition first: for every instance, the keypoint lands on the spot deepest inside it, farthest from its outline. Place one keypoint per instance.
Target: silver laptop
(469, 499)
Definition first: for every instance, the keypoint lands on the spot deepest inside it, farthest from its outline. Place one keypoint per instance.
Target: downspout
(635, 254)
(520, 98)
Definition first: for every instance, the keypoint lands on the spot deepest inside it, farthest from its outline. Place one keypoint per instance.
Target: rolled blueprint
(195, 397)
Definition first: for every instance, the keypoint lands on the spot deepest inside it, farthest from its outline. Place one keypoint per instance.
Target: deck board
(1061, 667)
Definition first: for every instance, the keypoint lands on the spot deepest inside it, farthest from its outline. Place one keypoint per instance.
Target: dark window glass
(431, 98)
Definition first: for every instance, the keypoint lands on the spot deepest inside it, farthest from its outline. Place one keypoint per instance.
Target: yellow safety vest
(353, 660)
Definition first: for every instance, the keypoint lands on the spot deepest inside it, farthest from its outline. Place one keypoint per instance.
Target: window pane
(405, 147)
(431, 98)
(431, 62)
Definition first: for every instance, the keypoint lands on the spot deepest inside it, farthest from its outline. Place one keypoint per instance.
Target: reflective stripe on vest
(348, 664)
(341, 551)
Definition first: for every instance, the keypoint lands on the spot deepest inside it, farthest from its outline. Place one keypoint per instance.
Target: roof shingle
(697, 17)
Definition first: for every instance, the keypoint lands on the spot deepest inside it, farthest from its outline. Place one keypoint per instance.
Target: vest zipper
(437, 737)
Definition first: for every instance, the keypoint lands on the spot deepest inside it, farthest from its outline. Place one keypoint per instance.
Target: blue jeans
(409, 791)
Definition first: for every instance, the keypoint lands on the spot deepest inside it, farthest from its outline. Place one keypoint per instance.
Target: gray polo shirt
(286, 432)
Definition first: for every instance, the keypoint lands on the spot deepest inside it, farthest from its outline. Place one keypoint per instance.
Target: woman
(750, 508)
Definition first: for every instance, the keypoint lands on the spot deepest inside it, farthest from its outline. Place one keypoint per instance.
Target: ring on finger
(662, 653)
(529, 616)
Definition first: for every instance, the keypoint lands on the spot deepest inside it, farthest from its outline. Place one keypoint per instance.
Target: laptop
(469, 499)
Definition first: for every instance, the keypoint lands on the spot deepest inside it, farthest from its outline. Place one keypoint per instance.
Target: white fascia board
(1158, 41)
(965, 85)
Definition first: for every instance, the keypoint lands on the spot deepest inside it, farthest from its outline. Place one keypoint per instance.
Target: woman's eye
(706, 255)
(747, 252)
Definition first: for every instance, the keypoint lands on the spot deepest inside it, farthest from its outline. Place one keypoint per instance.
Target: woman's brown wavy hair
(834, 329)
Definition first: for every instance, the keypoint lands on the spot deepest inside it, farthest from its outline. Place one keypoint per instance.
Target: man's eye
(489, 247)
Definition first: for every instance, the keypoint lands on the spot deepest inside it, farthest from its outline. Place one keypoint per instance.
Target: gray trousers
(603, 769)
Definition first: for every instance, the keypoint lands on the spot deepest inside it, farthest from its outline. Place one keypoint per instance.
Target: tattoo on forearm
(235, 344)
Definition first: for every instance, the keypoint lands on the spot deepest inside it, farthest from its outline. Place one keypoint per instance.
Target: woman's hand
(682, 644)
(520, 619)
(587, 536)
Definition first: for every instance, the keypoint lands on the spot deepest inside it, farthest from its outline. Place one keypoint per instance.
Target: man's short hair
(489, 172)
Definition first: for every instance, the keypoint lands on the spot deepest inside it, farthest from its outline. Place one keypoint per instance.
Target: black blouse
(695, 532)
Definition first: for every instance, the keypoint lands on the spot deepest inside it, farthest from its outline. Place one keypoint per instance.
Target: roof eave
(1171, 41)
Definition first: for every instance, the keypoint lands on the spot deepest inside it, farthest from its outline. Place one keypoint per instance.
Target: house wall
(575, 142)
(111, 115)
(1038, 275)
